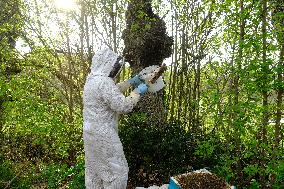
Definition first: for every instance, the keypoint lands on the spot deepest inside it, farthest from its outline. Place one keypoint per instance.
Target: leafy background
(223, 96)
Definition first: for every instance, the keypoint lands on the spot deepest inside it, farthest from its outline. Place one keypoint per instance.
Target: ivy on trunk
(146, 43)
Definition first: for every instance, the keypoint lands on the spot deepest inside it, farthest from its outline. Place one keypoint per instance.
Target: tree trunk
(279, 100)
(265, 70)
(236, 92)
(173, 76)
(278, 19)
(146, 43)
(9, 16)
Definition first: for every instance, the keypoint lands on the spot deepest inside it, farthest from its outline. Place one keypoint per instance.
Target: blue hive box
(174, 184)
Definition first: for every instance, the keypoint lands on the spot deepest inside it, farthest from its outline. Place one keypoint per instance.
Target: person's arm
(123, 86)
(134, 81)
(116, 100)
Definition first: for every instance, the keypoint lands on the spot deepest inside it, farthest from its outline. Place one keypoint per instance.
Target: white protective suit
(105, 163)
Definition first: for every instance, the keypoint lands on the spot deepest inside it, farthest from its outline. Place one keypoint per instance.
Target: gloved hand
(135, 81)
(141, 89)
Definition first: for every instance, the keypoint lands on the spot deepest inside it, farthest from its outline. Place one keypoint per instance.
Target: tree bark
(146, 43)
(265, 70)
(278, 19)
(236, 92)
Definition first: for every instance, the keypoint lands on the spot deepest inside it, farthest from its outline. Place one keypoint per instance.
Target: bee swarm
(201, 180)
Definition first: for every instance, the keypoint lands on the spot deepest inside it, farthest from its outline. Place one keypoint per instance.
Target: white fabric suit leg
(92, 180)
(106, 165)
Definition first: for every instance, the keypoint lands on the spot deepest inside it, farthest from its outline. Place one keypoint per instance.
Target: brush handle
(161, 70)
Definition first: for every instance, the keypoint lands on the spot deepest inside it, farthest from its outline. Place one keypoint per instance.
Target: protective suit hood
(103, 62)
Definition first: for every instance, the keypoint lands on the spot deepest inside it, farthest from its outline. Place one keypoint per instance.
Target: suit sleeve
(123, 86)
(116, 100)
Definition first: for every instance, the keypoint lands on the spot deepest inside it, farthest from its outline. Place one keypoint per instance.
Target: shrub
(154, 152)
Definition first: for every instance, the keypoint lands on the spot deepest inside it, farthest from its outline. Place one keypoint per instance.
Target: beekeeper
(105, 163)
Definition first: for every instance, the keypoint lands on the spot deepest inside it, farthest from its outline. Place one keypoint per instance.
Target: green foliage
(15, 175)
(224, 168)
(155, 149)
(280, 175)
(254, 185)
(40, 134)
(6, 172)
(252, 169)
(52, 175)
(205, 149)
(57, 175)
(163, 150)
(34, 117)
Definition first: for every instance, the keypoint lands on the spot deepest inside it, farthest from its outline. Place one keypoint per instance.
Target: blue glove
(135, 81)
(141, 89)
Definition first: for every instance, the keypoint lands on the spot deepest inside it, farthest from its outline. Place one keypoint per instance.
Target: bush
(57, 175)
(279, 183)
(154, 152)
(15, 175)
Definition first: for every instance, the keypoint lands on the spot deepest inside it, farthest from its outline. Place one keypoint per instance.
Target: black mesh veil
(117, 67)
